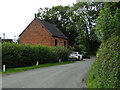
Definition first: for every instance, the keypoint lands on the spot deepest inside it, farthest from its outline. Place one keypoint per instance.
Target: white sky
(15, 15)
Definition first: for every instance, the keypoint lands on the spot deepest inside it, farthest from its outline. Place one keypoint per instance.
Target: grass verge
(20, 69)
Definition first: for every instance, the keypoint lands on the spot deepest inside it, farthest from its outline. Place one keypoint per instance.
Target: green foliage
(80, 48)
(86, 14)
(62, 53)
(19, 55)
(105, 71)
(94, 43)
(112, 5)
(108, 24)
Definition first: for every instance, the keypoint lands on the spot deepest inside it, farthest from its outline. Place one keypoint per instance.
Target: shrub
(20, 55)
(105, 71)
(10, 54)
(80, 48)
(62, 53)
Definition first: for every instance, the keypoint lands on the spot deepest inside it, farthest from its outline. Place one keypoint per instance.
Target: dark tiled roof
(52, 29)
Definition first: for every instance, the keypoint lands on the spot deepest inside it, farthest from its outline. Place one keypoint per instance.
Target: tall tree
(87, 13)
(108, 22)
(113, 6)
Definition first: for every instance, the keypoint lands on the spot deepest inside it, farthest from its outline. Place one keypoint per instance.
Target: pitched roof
(51, 29)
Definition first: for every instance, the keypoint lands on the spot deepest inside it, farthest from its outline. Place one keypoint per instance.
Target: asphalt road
(61, 76)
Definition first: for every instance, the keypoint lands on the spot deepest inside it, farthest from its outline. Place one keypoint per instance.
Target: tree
(87, 13)
(103, 24)
(113, 6)
(108, 23)
(116, 22)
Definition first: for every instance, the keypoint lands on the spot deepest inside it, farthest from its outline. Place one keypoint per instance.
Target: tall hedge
(105, 71)
(19, 55)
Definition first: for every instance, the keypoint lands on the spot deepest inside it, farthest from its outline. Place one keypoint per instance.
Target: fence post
(37, 63)
(59, 60)
(3, 68)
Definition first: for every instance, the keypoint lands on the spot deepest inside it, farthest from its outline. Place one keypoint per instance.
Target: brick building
(43, 33)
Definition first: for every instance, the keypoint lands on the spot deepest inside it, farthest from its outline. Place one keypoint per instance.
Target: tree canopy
(108, 22)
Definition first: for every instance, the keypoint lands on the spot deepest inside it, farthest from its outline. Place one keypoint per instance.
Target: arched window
(64, 43)
(55, 42)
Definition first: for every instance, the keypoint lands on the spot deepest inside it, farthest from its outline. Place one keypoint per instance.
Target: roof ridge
(50, 27)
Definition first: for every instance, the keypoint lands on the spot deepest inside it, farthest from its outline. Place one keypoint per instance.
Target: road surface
(61, 76)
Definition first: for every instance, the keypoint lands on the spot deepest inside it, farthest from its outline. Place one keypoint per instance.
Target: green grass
(20, 69)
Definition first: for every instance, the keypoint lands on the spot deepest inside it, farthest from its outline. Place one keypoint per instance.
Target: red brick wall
(36, 34)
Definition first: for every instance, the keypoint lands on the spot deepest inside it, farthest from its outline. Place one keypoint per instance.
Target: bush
(105, 71)
(20, 55)
(62, 53)
(80, 48)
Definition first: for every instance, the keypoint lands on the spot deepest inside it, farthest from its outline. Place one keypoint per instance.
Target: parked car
(76, 56)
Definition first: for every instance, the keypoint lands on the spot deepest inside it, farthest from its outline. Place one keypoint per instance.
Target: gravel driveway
(61, 76)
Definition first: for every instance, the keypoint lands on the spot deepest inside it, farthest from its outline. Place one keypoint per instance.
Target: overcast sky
(15, 15)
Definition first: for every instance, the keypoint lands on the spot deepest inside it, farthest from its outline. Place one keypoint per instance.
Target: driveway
(61, 76)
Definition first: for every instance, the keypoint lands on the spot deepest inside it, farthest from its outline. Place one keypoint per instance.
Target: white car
(76, 56)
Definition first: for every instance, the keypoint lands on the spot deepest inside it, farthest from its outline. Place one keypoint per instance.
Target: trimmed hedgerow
(105, 71)
(20, 55)
(62, 53)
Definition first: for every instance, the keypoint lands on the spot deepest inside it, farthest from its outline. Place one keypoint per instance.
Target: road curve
(61, 76)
